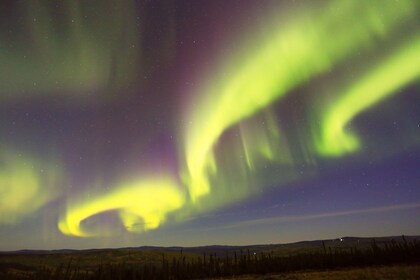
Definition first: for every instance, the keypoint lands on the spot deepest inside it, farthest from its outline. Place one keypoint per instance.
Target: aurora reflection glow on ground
(129, 123)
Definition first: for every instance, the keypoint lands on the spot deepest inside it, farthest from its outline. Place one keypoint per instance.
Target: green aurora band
(298, 51)
(314, 42)
(89, 47)
(26, 185)
(385, 80)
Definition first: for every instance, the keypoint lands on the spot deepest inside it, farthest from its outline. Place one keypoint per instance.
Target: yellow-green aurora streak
(398, 70)
(142, 205)
(293, 55)
(25, 186)
(312, 43)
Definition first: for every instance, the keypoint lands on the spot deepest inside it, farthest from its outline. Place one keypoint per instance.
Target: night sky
(187, 123)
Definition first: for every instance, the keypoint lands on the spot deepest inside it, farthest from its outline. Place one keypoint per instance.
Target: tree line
(239, 263)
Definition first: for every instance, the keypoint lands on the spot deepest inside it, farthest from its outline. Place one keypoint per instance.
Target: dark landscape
(393, 256)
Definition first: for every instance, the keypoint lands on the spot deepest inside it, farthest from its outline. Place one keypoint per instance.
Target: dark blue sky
(191, 123)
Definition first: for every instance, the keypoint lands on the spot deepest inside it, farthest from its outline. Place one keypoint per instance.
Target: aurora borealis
(127, 123)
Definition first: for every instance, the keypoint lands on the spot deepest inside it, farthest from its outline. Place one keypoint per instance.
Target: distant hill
(347, 241)
(214, 261)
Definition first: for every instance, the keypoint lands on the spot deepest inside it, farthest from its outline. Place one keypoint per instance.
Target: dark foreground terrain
(391, 272)
(343, 258)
